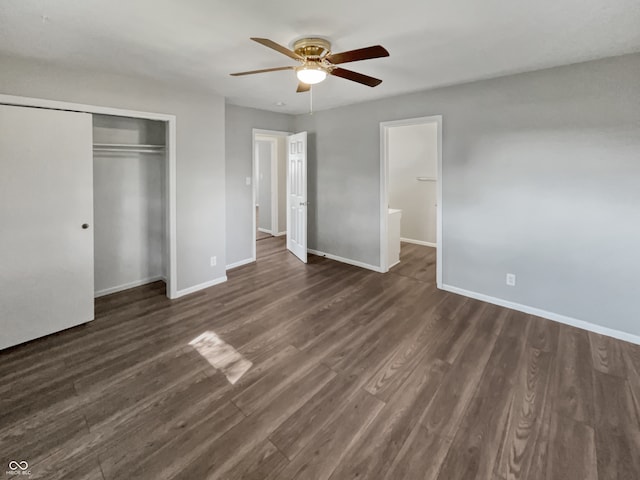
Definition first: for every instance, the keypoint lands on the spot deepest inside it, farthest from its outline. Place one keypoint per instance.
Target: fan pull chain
(310, 99)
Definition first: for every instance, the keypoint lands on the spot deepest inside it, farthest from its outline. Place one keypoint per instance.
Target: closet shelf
(127, 148)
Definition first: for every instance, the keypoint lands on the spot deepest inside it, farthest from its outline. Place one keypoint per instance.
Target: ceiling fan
(317, 61)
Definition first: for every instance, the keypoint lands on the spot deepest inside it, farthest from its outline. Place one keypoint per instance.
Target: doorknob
(85, 226)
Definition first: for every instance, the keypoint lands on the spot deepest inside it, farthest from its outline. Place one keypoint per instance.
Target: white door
(46, 217)
(297, 195)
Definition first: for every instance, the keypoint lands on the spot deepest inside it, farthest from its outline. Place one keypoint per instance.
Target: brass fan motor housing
(313, 48)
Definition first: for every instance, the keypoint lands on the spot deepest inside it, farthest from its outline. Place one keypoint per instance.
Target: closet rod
(125, 145)
(426, 179)
(127, 150)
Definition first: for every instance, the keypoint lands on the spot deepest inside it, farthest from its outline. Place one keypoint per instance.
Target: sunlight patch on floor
(221, 356)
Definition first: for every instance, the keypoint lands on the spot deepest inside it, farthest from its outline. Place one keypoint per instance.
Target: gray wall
(263, 186)
(240, 122)
(129, 222)
(200, 147)
(540, 179)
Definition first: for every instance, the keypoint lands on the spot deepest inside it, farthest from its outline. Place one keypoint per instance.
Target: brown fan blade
(261, 71)
(303, 87)
(278, 48)
(366, 53)
(356, 77)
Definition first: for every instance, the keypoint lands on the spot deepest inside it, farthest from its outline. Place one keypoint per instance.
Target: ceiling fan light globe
(311, 75)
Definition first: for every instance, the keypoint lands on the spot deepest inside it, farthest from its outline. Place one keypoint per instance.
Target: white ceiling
(432, 43)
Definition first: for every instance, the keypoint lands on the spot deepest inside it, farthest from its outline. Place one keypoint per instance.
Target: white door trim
(256, 132)
(171, 274)
(384, 189)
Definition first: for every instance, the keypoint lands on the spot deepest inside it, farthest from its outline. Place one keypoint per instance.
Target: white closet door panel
(46, 195)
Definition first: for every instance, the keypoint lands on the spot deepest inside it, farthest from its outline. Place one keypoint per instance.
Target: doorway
(269, 192)
(411, 196)
(129, 202)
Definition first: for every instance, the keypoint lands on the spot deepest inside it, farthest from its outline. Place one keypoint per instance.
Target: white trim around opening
(257, 132)
(384, 189)
(170, 120)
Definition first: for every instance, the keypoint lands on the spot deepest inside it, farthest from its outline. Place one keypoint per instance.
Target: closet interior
(129, 202)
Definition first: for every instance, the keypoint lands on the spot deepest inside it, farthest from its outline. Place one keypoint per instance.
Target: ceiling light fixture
(311, 73)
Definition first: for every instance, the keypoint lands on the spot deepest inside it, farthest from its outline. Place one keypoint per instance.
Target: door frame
(384, 188)
(170, 167)
(258, 132)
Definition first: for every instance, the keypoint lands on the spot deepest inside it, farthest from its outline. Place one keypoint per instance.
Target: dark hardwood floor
(354, 375)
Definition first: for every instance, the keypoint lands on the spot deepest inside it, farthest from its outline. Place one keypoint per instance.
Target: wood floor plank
(373, 454)
(544, 335)
(445, 412)
(416, 262)
(335, 311)
(525, 414)
(349, 325)
(381, 343)
(121, 446)
(146, 383)
(264, 462)
(296, 432)
(172, 458)
(41, 435)
(606, 354)
(286, 309)
(538, 465)
(427, 384)
(215, 459)
(123, 443)
(571, 451)
(325, 451)
(421, 455)
(632, 356)
(85, 467)
(633, 374)
(617, 428)
(574, 378)
(485, 422)
(262, 392)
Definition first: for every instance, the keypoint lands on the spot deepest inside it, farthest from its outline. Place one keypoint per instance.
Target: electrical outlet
(213, 261)
(511, 279)
(248, 180)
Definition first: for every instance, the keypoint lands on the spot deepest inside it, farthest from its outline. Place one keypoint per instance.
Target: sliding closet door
(46, 216)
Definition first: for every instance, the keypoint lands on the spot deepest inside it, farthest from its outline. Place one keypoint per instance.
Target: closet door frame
(170, 149)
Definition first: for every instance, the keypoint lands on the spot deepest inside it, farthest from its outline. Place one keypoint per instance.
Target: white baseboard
(391, 266)
(264, 230)
(127, 286)
(240, 263)
(556, 317)
(345, 260)
(202, 286)
(417, 242)
(279, 234)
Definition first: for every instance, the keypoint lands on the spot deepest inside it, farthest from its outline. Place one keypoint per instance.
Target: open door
(297, 195)
(46, 213)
